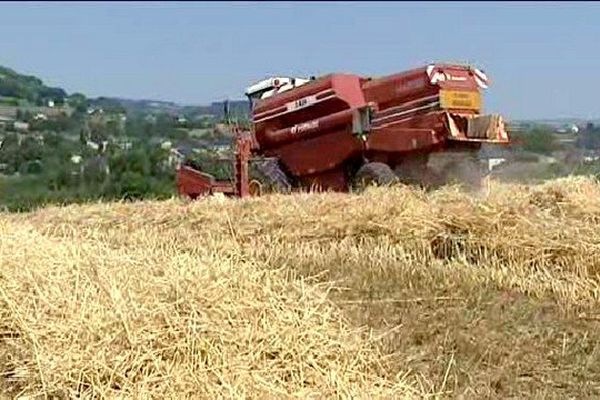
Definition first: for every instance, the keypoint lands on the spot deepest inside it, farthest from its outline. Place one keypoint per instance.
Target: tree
(177, 134)
(33, 167)
(56, 174)
(98, 134)
(59, 123)
(30, 149)
(26, 116)
(538, 140)
(589, 138)
(79, 102)
(94, 172)
(10, 152)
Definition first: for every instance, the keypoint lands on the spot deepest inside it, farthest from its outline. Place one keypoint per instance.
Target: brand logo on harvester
(304, 127)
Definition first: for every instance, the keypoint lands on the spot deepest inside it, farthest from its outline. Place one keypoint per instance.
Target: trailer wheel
(374, 173)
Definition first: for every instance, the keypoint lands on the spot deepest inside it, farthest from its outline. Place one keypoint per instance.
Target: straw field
(393, 293)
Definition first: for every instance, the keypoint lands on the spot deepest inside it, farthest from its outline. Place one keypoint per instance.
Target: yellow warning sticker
(455, 99)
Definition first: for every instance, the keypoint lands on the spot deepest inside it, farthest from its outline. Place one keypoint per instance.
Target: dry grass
(81, 318)
(462, 296)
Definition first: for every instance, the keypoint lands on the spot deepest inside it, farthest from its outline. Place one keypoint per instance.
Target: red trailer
(335, 131)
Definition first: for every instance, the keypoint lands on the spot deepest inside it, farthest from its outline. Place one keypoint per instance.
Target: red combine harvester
(343, 130)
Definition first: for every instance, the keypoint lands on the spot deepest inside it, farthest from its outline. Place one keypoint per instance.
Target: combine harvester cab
(342, 129)
(315, 130)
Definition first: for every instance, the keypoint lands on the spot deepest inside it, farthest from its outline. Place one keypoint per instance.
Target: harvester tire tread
(375, 173)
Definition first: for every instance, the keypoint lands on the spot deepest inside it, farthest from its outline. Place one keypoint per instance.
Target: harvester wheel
(255, 187)
(374, 173)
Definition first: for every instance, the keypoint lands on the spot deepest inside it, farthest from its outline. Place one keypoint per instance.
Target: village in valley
(56, 146)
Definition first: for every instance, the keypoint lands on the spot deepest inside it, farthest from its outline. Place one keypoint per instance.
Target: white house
(91, 111)
(494, 162)
(4, 121)
(21, 126)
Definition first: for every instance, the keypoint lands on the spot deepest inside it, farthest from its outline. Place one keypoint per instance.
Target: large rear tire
(374, 173)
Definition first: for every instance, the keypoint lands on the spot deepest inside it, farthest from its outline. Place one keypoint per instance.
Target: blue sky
(543, 58)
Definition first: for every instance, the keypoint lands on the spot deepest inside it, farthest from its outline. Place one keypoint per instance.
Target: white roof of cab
(267, 84)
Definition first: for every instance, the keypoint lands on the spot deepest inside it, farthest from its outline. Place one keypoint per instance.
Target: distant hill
(15, 87)
(236, 108)
(215, 109)
(559, 122)
(18, 89)
(133, 105)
